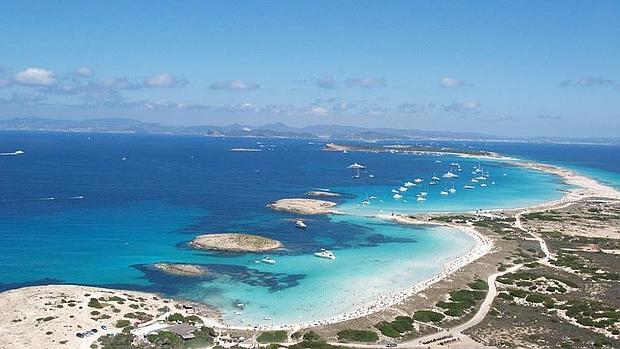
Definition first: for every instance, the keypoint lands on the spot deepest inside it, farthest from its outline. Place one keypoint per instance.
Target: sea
(102, 209)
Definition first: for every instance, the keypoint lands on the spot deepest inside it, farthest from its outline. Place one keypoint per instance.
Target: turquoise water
(122, 203)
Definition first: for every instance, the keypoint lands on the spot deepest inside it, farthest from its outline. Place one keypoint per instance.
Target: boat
(326, 254)
(423, 193)
(455, 164)
(418, 180)
(435, 178)
(300, 224)
(268, 260)
(371, 176)
(432, 183)
(449, 174)
(452, 190)
(421, 198)
(395, 191)
(468, 187)
(402, 189)
(365, 202)
(474, 180)
(483, 185)
(357, 168)
(481, 178)
(397, 196)
(443, 192)
(409, 184)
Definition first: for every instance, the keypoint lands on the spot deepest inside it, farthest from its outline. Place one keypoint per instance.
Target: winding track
(457, 332)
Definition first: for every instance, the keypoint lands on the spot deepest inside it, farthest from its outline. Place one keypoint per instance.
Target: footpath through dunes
(234, 242)
(304, 206)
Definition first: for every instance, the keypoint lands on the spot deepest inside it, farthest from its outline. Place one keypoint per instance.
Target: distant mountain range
(120, 125)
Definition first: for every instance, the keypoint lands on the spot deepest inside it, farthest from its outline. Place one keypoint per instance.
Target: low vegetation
(363, 336)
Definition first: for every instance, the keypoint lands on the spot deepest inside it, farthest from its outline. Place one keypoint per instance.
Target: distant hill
(120, 125)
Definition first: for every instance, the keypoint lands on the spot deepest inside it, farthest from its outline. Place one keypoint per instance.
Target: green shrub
(427, 316)
(122, 323)
(311, 336)
(478, 284)
(272, 337)
(357, 336)
(387, 329)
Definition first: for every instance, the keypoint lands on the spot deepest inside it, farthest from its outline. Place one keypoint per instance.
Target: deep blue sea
(101, 209)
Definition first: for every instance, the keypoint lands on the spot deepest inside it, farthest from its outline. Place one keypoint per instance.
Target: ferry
(326, 254)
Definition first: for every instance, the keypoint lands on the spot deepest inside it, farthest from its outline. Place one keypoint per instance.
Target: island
(323, 193)
(234, 242)
(181, 269)
(303, 206)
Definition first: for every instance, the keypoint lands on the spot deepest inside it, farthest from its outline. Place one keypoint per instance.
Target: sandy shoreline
(585, 187)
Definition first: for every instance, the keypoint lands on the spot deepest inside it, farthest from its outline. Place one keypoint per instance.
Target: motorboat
(326, 254)
(418, 180)
(268, 260)
(450, 174)
(468, 187)
(402, 189)
(397, 196)
(409, 184)
(300, 224)
(443, 192)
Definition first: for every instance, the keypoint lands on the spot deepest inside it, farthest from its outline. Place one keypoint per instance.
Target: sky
(513, 68)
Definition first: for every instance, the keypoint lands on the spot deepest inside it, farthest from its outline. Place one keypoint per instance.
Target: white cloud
(549, 117)
(326, 82)
(35, 76)
(164, 80)
(318, 111)
(83, 72)
(369, 82)
(234, 85)
(449, 82)
(588, 81)
(462, 107)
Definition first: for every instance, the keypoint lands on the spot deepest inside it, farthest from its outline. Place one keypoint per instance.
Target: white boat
(432, 183)
(435, 178)
(409, 184)
(468, 187)
(423, 193)
(421, 198)
(397, 196)
(402, 189)
(483, 185)
(438, 161)
(300, 224)
(365, 202)
(268, 260)
(474, 180)
(395, 191)
(481, 178)
(443, 192)
(452, 190)
(357, 168)
(455, 164)
(327, 254)
(371, 176)
(449, 174)
(418, 180)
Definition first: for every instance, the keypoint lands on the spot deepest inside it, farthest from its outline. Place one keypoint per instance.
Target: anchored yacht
(327, 254)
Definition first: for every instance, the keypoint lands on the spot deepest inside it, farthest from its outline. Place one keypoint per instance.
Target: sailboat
(357, 168)
(452, 190)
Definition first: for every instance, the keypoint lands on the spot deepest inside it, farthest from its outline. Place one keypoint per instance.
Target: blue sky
(501, 67)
